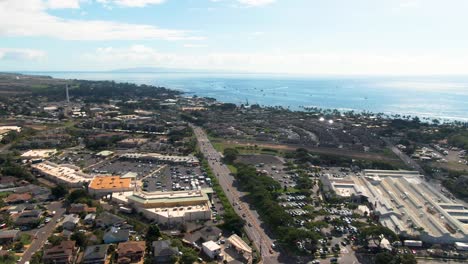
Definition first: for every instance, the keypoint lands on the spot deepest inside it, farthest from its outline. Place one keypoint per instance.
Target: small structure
(89, 219)
(105, 153)
(242, 248)
(130, 252)
(70, 221)
(211, 249)
(96, 254)
(64, 253)
(461, 246)
(413, 243)
(115, 235)
(163, 251)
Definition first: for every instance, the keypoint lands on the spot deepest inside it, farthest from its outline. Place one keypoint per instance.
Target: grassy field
(220, 145)
(232, 168)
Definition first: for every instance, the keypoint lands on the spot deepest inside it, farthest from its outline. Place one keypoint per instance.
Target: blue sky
(279, 36)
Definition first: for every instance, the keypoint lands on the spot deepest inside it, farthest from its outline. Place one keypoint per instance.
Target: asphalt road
(407, 160)
(40, 235)
(253, 229)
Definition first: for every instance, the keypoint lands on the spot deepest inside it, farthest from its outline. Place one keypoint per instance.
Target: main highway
(253, 229)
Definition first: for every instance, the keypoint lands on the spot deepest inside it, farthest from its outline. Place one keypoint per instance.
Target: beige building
(69, 175)
(173, 207)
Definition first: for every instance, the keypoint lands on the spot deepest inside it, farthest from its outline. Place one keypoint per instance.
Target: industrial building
(406, 204)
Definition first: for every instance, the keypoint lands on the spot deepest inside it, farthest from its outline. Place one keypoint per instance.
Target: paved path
(40, 235)
(253, 229)
(407, 160)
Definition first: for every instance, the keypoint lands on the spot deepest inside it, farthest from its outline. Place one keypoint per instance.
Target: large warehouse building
(407, 205)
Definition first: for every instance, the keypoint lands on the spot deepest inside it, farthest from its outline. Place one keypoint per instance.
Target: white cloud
(131, 3)
(30, 18)
(62, 4)
(283, 62)
(190, 45)
(138, 3)
(256, 2)
(21, 54)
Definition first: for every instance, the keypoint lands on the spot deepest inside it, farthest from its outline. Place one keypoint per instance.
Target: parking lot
(177, 178)
(81, 159)
(120, 167)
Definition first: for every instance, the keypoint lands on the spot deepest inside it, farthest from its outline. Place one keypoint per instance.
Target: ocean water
(444, 97)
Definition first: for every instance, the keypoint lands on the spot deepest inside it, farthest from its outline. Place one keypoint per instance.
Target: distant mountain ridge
(171, 70)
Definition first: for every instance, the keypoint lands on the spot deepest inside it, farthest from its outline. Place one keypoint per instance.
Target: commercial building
(406, 204)
(173, 207)
(103, 185)
(4, 130)
(158, 158)
(66, 174)
(38, 153)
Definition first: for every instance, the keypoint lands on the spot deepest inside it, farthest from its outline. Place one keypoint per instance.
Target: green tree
(59, 191)
(80, 238)
(153, 233)
(377, 233)
(230, 155)
(384, 258)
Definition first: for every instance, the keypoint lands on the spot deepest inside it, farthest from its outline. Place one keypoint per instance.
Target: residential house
(16, 209)
(130, 252)
(115, 235)
(70, 221)
(163, 252)
(79, 208)
(29, 218)
(64, 253)
(208, 233)
(18, 198)
(96, 254)
(106, 220)
(7, 182)
(8, 236)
